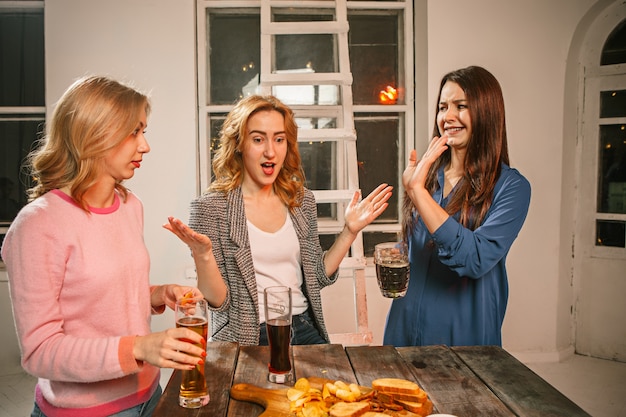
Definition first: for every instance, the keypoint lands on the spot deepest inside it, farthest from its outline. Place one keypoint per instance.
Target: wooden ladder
(344, 133)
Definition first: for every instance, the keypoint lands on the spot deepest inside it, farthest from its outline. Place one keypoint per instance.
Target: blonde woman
(79, 269)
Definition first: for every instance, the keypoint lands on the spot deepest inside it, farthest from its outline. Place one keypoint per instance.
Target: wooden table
(465, 381)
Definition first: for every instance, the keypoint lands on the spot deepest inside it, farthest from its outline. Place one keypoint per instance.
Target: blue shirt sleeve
(474, 253)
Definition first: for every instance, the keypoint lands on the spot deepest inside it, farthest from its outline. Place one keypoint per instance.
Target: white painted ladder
(344, 134)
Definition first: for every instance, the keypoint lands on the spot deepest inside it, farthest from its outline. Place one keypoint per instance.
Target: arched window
(614, 50)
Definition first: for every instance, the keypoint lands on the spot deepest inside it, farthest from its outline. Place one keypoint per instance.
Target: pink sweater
(80, 293)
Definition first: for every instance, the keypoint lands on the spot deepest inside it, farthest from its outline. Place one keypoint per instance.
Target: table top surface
(464, 381)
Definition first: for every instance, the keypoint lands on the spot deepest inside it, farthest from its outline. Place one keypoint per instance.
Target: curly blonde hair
(94, 115)
(228, 161)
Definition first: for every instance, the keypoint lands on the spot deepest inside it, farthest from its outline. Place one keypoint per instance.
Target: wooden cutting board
(274, 401)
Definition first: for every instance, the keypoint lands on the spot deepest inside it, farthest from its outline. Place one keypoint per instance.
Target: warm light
(388, 96)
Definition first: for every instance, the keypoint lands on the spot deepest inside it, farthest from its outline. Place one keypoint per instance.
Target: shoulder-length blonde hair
(487, 149)
(94, 115)
(228, 161)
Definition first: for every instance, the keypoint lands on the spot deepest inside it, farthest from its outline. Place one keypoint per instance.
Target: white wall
(152, 45)
(524, 43)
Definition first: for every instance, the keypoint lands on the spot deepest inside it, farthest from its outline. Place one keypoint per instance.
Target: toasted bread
(396, 386)
(374, 414)
(422, 397)
(423, 409)
(343, 409)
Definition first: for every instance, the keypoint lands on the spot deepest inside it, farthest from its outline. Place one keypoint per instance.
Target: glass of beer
(193, 314)
(278, 323)
(392, 268)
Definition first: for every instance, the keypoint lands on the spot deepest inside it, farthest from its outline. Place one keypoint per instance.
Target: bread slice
(396, 386)
(343, 409)
(422, 397)
(423, 409)
(374, 414)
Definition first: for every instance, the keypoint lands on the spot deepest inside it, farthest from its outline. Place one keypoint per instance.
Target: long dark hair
(487, 149)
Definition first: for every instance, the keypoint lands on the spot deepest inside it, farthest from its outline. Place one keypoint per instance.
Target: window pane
(17, 139)
(373, 43)
(378, 153)
(234, 61)
(215, 125)
(22, 58)
(302, 15)
(613, 103)
(612, 169)
(314, 52)
(318, 160)
(371, 239)
(327, 211)
(610, 233)
(614, 50)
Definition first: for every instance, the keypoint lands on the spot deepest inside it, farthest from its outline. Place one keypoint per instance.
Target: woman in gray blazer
(256, 227)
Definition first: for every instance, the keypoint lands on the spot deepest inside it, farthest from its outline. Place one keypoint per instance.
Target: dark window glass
(614, 50)
(613, 103)
(611, 233)
(315, 52)
(612, 169)
(22, 58)
(373, 44)
(372, 239)
(21, 85)
(17, 139)
(234, 60)
(378, 153)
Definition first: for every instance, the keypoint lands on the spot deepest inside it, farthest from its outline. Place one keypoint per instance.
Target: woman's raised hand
(414, 175)
(361, 213)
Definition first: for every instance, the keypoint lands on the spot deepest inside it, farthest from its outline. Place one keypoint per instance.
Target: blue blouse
(458, 289)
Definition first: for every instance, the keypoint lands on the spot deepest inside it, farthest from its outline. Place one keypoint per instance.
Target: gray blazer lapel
(239, 235)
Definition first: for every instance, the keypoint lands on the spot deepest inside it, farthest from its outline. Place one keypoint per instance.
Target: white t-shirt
(276, 258)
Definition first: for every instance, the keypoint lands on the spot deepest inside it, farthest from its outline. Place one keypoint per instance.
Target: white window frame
(406, 110)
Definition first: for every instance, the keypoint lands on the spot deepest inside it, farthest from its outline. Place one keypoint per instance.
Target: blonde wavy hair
(228, 162)
(94, 115)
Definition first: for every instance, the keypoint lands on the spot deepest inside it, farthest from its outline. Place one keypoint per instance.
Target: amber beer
(193, 315)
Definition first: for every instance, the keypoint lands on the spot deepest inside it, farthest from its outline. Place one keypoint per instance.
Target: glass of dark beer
(392, 268)
(278, 323)
(193, 314)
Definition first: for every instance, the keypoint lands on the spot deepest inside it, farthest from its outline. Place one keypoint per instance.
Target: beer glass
(392, 268)
(278, 323)
(193, 314)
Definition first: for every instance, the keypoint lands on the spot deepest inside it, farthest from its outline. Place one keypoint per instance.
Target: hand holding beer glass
(193, 314)
(278, 323)
(392, 268)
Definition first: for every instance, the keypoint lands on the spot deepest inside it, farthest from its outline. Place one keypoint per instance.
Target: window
(260, 46)
(611, 194)
(22, 99)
